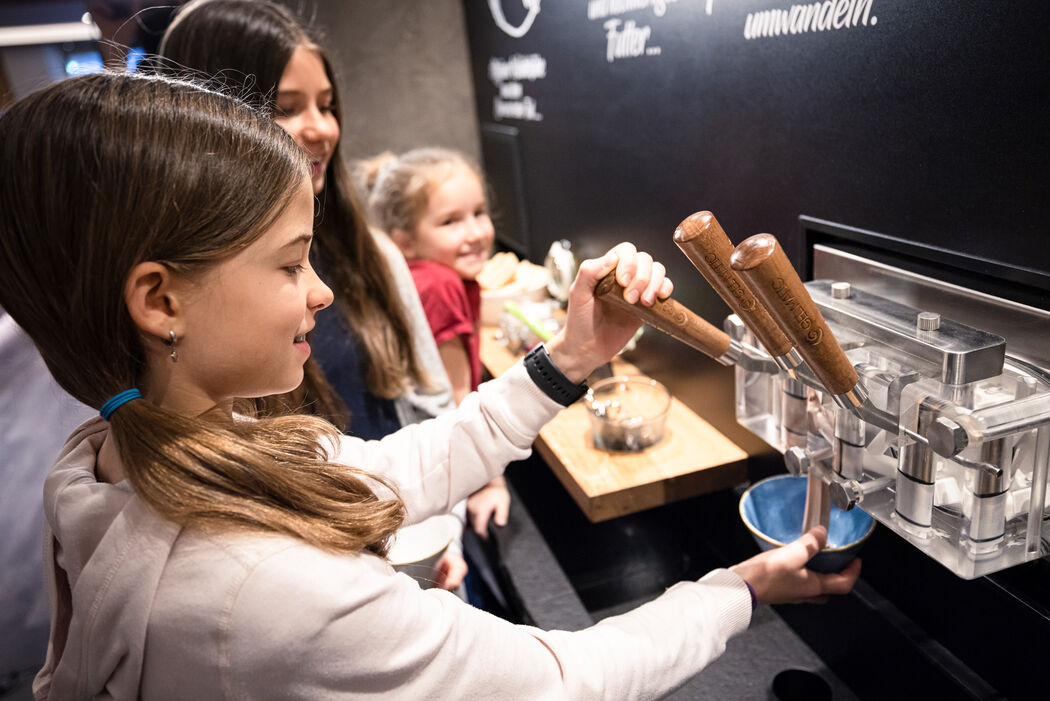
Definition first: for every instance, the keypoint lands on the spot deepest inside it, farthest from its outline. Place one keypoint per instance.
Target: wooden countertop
(693, 458)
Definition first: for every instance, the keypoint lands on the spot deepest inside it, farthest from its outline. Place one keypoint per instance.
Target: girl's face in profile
(246, 318)
(455, 229)
(304, 109)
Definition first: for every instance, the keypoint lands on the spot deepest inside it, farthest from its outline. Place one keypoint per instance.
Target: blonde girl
(432, 202)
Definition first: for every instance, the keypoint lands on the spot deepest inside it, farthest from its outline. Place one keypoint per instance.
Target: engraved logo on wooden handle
(811, 332)
(732, 282)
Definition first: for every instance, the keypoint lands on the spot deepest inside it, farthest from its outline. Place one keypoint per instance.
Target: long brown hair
(155, 169)
(248, 43)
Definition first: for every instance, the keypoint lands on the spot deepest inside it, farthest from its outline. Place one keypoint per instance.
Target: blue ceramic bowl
(772, 510)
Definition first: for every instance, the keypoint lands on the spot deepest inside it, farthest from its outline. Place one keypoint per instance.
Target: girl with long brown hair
(384, 371)
(375, 367)
(154, 244)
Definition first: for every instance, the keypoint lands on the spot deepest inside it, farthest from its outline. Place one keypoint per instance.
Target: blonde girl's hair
(365, 172)
(400, 187)
(156, 169)
(248, 43)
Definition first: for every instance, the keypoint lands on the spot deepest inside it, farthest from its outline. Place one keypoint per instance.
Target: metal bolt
(946, 437)
(845, 494)
(797, 461)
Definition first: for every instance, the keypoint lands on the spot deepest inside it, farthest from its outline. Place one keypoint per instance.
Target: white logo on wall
(496, 8)
(811, 17)
(508, 74)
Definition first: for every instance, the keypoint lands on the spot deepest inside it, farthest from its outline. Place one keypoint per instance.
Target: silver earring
(172, 340)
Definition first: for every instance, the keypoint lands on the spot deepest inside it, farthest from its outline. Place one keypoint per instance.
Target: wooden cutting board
(693, 458)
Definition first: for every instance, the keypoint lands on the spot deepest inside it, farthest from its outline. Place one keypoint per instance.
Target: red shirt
(453, 308)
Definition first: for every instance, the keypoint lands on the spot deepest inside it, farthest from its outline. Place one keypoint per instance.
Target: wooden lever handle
(669, 316)
(765, 268)
(705, 243)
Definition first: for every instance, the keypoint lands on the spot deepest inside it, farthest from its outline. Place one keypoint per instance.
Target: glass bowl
(627, 413)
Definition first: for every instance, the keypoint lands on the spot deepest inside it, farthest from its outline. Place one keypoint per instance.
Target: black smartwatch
(550, 379)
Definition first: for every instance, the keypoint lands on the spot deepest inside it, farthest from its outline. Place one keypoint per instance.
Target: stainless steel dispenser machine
(924, 403)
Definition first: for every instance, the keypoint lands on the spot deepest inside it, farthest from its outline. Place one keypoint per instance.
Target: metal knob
(841, 290)
(928, 321)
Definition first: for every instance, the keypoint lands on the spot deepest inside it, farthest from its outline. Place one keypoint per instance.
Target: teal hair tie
(116, 400)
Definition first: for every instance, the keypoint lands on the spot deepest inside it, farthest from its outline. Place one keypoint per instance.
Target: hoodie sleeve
(351, 628)
(439, 462)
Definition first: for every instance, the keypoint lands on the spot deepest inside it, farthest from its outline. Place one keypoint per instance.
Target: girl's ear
(405, 241)
(150, 298)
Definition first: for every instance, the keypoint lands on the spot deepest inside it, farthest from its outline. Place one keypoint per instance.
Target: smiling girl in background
(432, 203)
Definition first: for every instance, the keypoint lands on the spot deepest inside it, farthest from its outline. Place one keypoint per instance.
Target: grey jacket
(417, 404)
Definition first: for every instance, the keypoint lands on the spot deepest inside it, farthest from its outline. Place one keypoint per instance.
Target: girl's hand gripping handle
(669, 316)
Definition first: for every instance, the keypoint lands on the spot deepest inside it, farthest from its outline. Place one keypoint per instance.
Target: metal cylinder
(987, 523)
(848, 458)
(915, 471)
(992, 479)
(916, 461)
(793, 413)
(988, 497)
(841, 290)
(914, 497)
(928, 321)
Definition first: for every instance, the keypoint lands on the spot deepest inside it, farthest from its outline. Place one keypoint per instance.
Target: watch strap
(550, 379)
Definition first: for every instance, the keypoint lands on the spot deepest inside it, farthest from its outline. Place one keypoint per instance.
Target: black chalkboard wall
(923, 120)
(919, 119)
